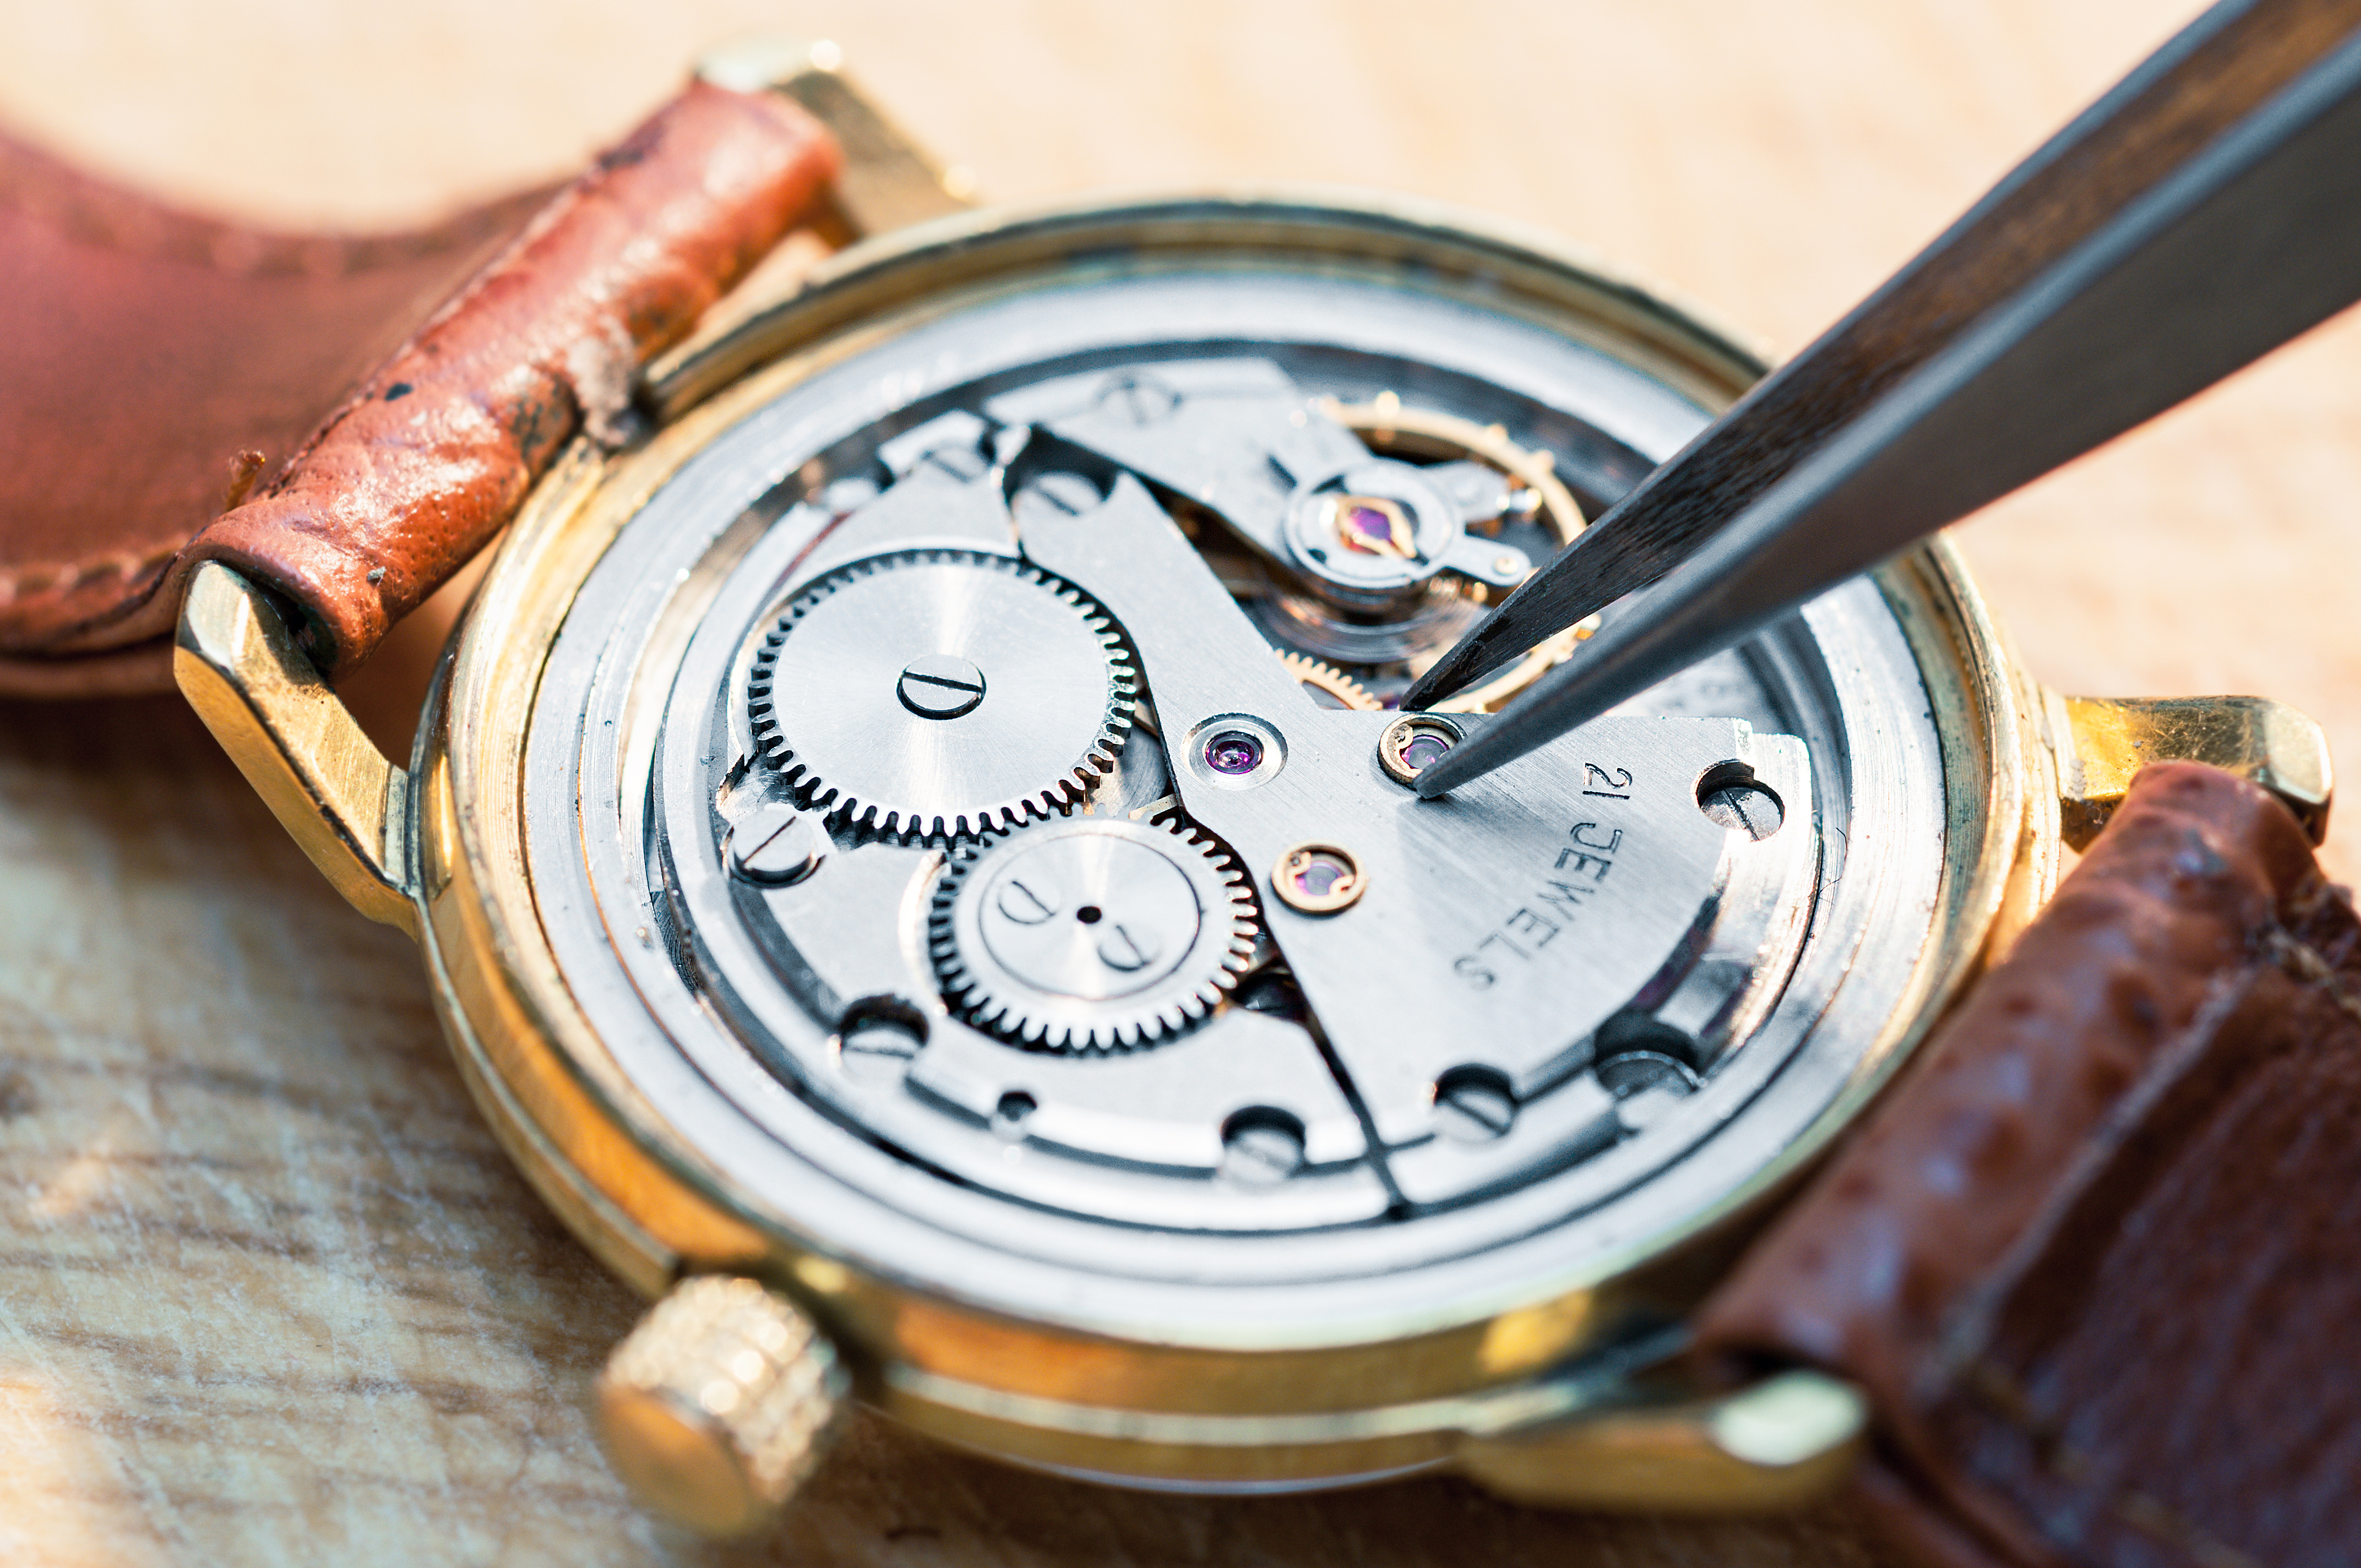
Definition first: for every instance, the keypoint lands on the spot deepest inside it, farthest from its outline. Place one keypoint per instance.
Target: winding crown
(720, 1403)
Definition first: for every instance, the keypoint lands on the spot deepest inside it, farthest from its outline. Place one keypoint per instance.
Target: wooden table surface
(268, 1293)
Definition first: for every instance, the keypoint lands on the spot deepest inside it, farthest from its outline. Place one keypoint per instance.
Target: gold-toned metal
(1293, 875)
(344, 804)
(576, 1127)
(1779, 1444)
(1177, 1405)
(1393, 744)
(919, 270)
(637, 1190)
(1328, 681)
(1400, 540)
(2103, 742)
(720, 1403)
(1387, 424)
(1186, 1403)
(887, 180)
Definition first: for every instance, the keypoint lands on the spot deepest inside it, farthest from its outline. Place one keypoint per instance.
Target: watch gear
(941, 693)
(1325, 680)
(1495, 480)
(1091, 935)
(1437, 1099)
(1563, 1027)
(1389, 427)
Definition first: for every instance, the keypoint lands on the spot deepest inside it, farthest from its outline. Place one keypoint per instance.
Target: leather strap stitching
(2302, 962)
(50, 192)
(28, 586)
(1997, 1389)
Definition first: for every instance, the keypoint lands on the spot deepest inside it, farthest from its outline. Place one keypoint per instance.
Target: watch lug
(347, 805)
(2102, 742)
(1783, 1442)
(888, 180)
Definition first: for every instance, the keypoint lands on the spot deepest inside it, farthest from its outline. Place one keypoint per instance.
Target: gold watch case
(1522, 1388)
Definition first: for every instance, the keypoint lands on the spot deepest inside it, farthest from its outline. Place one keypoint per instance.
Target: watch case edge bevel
(644, 1201)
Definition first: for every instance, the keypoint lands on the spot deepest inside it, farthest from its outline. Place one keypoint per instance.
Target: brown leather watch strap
(152, 363)
(142, 349)
(2096, 1263)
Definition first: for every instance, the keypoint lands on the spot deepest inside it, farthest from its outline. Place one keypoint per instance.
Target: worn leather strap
(142, 349)
(2098, 1264)
(154, 364)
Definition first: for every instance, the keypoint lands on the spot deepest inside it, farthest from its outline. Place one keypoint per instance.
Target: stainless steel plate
(1566, 1021)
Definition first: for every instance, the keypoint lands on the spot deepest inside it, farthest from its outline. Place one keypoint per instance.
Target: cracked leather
(154, 363)
(2095, 1261)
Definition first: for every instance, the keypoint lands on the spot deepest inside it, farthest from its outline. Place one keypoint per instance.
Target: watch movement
(914, 845)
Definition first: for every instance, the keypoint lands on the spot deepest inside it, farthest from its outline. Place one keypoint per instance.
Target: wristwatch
(914, 858)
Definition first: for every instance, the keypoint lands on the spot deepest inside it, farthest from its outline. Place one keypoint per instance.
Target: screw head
(1473, 1105)
(1008, 1117)
(940, 685)
(1732, 798)
(775, 845)
(876, 1046)
(1261, 1147)
(1647, 1086)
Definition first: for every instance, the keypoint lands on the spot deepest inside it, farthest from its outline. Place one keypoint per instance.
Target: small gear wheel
(941, 693)
(1091, 935)
(1449, 607)
(1326, 681)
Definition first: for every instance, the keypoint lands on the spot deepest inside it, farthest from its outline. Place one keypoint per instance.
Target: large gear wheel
(941, 693)
(1091, 935)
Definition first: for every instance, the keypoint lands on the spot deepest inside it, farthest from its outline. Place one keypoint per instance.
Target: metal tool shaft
(2205, 211)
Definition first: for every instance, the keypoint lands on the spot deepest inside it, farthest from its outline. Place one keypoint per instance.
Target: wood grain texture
(268, 1293)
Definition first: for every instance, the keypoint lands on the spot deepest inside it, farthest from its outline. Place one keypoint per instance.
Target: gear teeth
(1223, 883)
(1325, 677)
(882, 818)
